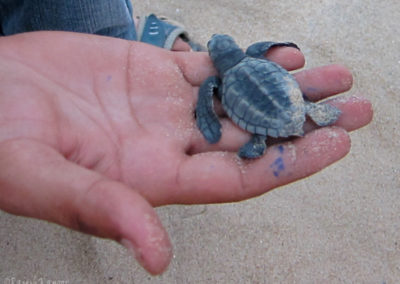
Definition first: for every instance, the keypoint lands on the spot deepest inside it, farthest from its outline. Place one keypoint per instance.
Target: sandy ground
(339, 226)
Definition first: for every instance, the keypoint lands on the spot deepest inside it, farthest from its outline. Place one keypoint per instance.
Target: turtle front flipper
(259, 49)
(206, 119)
(254, 148)
(322, 114)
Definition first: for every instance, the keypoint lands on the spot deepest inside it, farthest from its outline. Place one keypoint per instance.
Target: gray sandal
(162, 32)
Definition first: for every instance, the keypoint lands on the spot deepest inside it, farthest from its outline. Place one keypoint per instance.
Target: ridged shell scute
(263, 98)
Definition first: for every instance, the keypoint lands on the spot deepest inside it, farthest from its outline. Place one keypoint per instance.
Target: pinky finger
(223, 177)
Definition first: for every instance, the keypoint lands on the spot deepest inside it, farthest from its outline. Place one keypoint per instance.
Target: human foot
(163, 32)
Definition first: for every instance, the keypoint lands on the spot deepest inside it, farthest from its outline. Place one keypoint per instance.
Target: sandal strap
(160, 33)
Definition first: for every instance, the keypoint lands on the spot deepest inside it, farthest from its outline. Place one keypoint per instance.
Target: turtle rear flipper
(254, 148)
(322, 114)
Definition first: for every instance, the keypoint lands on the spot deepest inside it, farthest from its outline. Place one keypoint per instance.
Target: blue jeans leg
(102, 17)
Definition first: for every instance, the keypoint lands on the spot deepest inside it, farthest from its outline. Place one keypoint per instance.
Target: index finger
(197, 66)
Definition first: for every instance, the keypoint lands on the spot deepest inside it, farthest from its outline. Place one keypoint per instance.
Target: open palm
(95, 131)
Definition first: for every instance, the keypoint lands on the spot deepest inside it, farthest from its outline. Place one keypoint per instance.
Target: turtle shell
(263, 98)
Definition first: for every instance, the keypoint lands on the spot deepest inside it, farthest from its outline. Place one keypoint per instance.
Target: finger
(180, 45)
(197, 66)
(36, 181)
(288, 57)
(232, 138)
(321, 82)
(356, 113)
(223, 177)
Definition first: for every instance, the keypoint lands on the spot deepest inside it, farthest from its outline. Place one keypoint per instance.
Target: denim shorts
(102, 17)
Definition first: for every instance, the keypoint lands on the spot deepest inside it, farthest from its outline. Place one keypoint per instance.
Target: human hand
(95, 131)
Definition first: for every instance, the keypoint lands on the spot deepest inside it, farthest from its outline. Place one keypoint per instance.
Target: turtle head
(224, 52)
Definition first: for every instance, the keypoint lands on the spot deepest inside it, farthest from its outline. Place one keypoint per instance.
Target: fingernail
(133, 250)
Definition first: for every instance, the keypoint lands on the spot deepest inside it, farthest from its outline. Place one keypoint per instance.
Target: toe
(180, 45)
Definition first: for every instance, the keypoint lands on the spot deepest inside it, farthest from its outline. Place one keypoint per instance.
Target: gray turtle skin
(258, 95)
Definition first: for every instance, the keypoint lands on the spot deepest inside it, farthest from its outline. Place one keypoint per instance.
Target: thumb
(37, 181)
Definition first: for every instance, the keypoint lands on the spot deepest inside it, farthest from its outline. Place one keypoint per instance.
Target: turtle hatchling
(258, 95)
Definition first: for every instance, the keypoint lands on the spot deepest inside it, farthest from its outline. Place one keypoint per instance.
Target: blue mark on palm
(278, 165)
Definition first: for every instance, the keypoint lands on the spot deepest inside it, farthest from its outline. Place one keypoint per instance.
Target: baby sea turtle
(258, 95)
